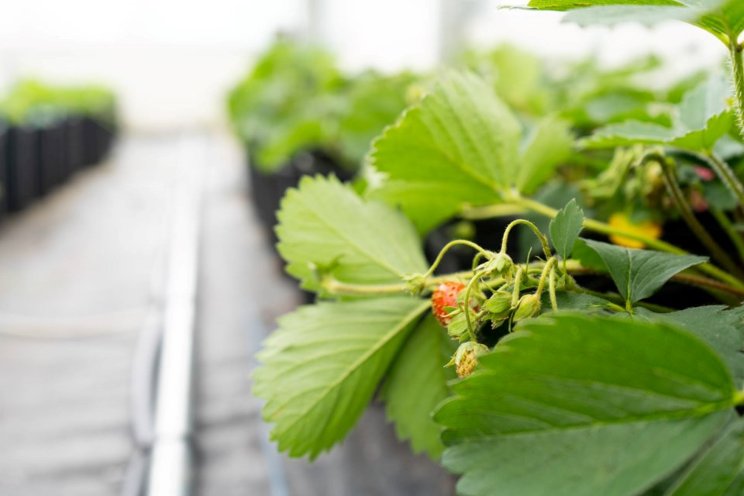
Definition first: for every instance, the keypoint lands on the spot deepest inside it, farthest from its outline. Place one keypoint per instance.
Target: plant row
(47, 134)
(580, 330)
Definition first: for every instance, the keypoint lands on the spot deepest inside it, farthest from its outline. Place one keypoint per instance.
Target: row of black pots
(36, 158)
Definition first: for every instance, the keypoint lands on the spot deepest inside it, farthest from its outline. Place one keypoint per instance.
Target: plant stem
(466, 308)
(727, 176)
(737, 66)
(551, 290)
(600, 227)
(447, 248)
(672, 184)
(533, 227)
(603, 228)
(574, 267)
(340, 288)
(544, 275)
(517, 287)
(616, 300)
(727, 226)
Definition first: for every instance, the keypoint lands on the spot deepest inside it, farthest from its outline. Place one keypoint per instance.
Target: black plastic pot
(74, 144)
(52, 158)
(3, 170)
(22, 168)
(98, 136)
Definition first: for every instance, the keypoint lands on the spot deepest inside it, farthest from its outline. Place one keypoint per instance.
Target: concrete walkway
(80, 280)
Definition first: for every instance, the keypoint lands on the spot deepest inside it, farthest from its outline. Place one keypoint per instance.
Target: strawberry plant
(605, 359)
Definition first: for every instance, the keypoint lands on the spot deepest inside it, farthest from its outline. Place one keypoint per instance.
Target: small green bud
(502, 262)
(528, 306)
(458, 326)
(465, 359)
(499, 304)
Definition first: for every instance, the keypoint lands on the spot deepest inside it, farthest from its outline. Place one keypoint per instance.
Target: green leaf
(722, 329)
(325, 226)
(547, 147)
(629, 133)
(458, 145)
(722, 18)
(580, 4)
(704, 114)
(621, 14)
(704, 118)
(417, 383)
(321, 367)
(565, 228)
(582, 406)
(718, 470)
(638, 274)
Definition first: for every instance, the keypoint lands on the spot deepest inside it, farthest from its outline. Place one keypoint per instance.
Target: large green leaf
(721, 328)
(572, 405)
(718, 470)
(325, 226)
(322, 366)
(459, 145)
(417, 383)
(722, 18)
(638, 274)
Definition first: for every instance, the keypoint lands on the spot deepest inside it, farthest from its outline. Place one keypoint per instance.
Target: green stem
(616, 300)
(336, 287)
(533, 228)
(450, 245)
(737, 66)
(672, 184)
(603, 228)
(575, 267)
(728, 227)
(466, 309)
(517, 287)
(727, 176)
(551, 290)
(544, 275)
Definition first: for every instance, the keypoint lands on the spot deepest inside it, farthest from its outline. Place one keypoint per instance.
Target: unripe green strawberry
(529, 305)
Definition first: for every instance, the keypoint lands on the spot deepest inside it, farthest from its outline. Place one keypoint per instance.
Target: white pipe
(170, 471)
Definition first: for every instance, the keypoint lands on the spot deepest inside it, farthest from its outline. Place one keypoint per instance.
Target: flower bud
(498, 305)
(528, 306)
(457, 328)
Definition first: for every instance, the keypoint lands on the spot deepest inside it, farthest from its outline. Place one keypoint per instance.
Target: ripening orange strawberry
(443, 299)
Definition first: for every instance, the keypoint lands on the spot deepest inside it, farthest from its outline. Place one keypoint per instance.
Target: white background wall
(171, 60)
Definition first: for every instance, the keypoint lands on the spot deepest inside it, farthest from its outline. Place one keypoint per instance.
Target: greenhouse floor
(81, 280)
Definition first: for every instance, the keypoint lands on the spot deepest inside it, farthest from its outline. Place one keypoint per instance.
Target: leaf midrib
(670, 415)
(409, 317)
(358, 248)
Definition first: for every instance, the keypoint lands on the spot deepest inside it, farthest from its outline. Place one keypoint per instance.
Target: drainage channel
(164, 370)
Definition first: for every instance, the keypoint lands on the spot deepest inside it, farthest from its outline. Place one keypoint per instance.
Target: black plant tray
(22, 167)
(52, 157)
